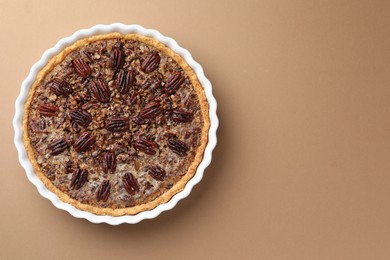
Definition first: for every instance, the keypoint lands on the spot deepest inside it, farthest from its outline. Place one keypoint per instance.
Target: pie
(116, 124)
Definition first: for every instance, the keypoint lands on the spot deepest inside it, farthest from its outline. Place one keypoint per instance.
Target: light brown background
(302, 167)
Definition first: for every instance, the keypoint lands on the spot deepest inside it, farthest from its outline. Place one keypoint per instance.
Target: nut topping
(57, 146)
(182, 116)
(146, 146)
(81, 117)
(157, 173)
(100, 91)
(104, 190)
(81, 67)
(117, 124)
(84, 142)
(60, 87)
(151, 110)
(151, 62)
(79, 178)
(130, 183)
(178, 147)
(174, 82)
(124, 80)
(109, 162)
(116, 59)
(47, 109)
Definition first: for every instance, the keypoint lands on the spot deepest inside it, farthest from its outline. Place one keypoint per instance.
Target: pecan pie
(116, 124)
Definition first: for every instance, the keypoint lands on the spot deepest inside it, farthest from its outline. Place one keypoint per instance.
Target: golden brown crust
(179, 186)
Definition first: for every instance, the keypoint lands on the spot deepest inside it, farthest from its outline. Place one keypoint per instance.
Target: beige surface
(302, 168)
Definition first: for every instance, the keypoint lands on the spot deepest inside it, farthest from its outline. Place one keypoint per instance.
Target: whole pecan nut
(151, 110)
(147, 146)
(47, 109)
(178, 147)
(79, 178)
(81, 117)
(81, 67)
(182, 116)
(104, 191)
(174, 82)
(60, 87)
(57, 146)
(84, 142)
(117, 124)
(100, 90)
(124, 81)
(157, 172)
(130, 183)
(116, 59)
(151, 62)
(109, 162)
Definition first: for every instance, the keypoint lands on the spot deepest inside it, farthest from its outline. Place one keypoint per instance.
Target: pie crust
(191, 169)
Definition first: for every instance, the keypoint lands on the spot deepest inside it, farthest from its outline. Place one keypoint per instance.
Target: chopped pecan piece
(79, 178)
(178, 147)
(60, 87)
(153, 85)
(174, 82)
(109, 162)
(151, 62)
(81, 117)
(180, 115)
(124, 81)
(116, 59)
(151, 110)
(100, 90)
(104, 190)
(90, 104)
(84, 142)
(57, 146)
(117, 124)
(146, 146)
(157, 172)
(47, 109)
(130, 183)
(133, 98)
(81, 67)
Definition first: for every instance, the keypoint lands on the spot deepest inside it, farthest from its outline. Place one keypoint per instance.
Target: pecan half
(116, 59)
(151, 62)
(178, 147)
(60, 87)
(157, 173)
(182, 116)
(104, 190)
(109, 162)
(130, 183)
(84, 142)
(124, 80)
(81, 67)
(117, 124)
(174, 82)
(57, 146)
(100, 90)
(47, 109)
(81, 117)
(146, 146)
(79, 178)
(151, 110)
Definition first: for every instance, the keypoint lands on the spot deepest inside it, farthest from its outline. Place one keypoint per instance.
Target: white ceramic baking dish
(104, 29)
